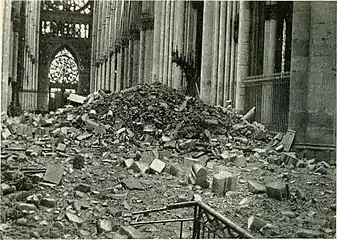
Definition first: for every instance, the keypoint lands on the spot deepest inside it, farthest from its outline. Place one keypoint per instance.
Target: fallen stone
(76, 98)
(140, 167)
(199, 173)
(197, 197)
(35, 199)
(183, 198)
(58, 225)
(132, 232)
(260, 151)
(279, 148)
(132, 184)
(78, 161)
(104, 225)
(27, 207)
(269, 230)
(5, 133)
(74, 218)
(128, 162)
(255, 187)
(84, 136)
(255, 223)
(244, 201)
(289, 158)
(48, 202)
(157, 166)
(61, 147)
(21, 222)
(289, 214)
(7, 189)
(176, 170)
(300, 164)
(240, 160)
(278, 190)
(83, 188)
(53, 174)
(79, 194)
(224, 181)
(188, 162)
(307, 233)
(321, 170)
(332, 222)
(115, 235)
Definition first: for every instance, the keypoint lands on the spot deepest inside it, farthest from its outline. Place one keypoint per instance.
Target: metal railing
(206, 222)
(279, 87)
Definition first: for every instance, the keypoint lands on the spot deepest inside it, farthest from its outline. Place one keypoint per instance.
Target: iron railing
(206, 222)
(279, 83)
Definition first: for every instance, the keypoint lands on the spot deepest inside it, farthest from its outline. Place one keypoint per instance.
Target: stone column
(321, 96)
(243, 54)
(298, 114)
(269, 62)
(166, 43)
(141, 57)
(156, 40)
(130, 63)
(222, 52)
(207, 52)
(178, 40)
(170, 44)
(5, 54)
(162, 42)
(148, 55)
(214, 76)
(135, 72)
(229, 39)
(119, 69)
(112, 72)
(233, 57)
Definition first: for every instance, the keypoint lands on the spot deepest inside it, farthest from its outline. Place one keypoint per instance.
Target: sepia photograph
(168, 119)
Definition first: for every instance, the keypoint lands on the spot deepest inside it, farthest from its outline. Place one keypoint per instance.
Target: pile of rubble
(147, 131)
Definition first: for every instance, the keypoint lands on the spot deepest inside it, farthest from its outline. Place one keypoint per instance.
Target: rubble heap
(159, 112)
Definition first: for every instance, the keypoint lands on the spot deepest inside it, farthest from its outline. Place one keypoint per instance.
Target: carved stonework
(134, 34)
(147, 22)
(271, 11)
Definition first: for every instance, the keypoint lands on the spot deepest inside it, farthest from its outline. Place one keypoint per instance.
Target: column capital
(147, 22)
(271, 11)
(134, 34)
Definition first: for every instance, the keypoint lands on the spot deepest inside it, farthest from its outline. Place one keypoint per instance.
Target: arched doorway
(63, 76)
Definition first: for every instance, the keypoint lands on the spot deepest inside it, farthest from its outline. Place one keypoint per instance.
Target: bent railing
(206, 222)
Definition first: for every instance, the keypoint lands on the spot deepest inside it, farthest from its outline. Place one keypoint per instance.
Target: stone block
(307, 233)
(104, 225)
(78, 161)
(255, 223)
(300, 164)
(26, 207)
(278, 190)
(83, 188)
(199, 173)
(129, 162)
(260, 151)
(140, 167)
(7, 189)
(74, 218)
(53, 174)
(240, 160)
(188, 162)
(176, 170)
(224, 181)
(132, 232)
(157, 166)
(48, 202)
(255, 187)
(76, 98)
